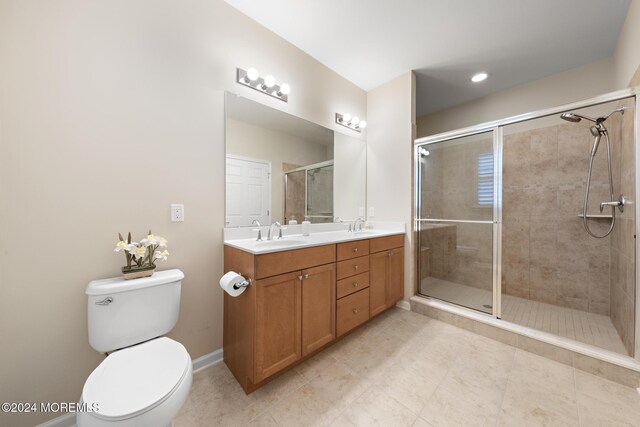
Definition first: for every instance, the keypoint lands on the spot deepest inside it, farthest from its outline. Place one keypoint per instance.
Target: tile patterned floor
(405, 369)
(578, 325)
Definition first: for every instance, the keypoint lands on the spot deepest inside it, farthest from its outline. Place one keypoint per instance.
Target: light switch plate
(372, 211)
(177, 212)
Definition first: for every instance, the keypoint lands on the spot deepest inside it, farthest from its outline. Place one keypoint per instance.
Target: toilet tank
(122, 312)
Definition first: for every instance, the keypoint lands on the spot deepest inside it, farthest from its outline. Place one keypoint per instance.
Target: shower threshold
(589, 328)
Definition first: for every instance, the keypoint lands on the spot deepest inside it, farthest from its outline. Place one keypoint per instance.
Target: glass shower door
(457, 220)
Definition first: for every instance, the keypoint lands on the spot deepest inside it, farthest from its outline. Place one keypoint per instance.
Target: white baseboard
(405, 305)
(206, 361)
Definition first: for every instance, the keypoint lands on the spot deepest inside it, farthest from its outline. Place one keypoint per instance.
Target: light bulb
(346, 118)
(269, 81)
(284, 89)
(477, 78)
(363, 124)
(252, 74)
(355, 121)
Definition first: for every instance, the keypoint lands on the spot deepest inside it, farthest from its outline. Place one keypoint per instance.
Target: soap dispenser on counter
(306, 226)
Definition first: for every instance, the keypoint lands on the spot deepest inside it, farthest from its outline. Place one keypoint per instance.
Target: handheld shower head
(575, 118)
(570, 117)
(596, 143)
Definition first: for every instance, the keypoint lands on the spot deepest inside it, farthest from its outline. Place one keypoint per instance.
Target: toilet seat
(136, 379)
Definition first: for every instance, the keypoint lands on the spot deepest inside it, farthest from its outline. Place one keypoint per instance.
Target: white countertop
(298, 241)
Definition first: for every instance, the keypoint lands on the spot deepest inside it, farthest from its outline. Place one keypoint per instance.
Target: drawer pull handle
(304, 276)
(355, 250)
(355, 267)
(355, 311)
(355, 284)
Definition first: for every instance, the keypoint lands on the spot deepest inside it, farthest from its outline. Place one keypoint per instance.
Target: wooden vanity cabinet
(283, 315)
(386, 273)
(301, 300)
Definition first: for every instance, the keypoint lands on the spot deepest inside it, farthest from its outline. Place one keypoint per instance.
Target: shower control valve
(615, 203)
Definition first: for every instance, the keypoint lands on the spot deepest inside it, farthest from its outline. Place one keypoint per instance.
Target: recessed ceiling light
(477, 78)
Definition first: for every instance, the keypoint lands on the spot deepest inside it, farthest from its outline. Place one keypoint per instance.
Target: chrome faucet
(270, 235)
(256, 222)
(357, 224)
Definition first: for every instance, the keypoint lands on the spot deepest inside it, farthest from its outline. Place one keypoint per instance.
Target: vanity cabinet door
(386, 280)
(378, 273)
(318, 307)
(277, 324)
(395, 286)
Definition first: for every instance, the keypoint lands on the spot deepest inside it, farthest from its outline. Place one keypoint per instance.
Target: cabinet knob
(355, 311)
(355, 284)
(389, 253)
(355, 250)
(304, 276)
(355, 267)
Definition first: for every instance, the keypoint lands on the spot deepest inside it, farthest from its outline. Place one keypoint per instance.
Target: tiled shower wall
(622, 243)
(547, 255)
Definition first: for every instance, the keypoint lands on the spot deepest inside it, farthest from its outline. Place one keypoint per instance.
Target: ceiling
(370, 42)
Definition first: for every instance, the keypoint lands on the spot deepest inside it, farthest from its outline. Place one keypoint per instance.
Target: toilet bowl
(146, 377)
(143, 385)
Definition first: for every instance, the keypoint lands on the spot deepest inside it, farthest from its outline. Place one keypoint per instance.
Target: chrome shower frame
(497, 128)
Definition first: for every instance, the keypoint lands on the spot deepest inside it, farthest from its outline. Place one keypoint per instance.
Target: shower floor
(578, 325)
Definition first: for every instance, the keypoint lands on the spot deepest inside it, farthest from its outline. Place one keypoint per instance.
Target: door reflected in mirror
(283, 168)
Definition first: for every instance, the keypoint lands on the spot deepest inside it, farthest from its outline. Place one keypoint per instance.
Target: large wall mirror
(282, 168)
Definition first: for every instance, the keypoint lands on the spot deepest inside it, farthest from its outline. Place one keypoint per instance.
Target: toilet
(146, 377)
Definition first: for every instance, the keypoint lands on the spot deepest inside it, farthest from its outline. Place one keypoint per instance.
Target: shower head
(575, 118)
(570, 117)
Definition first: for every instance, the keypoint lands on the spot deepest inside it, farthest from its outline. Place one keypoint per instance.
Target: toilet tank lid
(119, 284)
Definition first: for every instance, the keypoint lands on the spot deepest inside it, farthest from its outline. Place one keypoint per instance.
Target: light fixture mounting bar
(259, 85)
(348, 124)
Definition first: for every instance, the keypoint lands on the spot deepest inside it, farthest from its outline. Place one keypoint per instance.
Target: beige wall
(247, 140)
(389, 158)
(627, 53)
(109, 112)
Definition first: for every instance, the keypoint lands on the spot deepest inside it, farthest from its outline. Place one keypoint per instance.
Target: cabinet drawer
(353, 284)
(385, 243)
(355, 249)
(275, 263)
(353, 310)
(353, 266)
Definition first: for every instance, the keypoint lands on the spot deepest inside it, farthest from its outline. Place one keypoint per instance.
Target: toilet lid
(135, 379)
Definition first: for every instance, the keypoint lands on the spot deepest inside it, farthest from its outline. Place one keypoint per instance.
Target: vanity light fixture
(353, 123)
(479, 77)
(252, 79)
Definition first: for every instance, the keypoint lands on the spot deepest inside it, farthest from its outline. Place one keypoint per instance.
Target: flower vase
(137, 272)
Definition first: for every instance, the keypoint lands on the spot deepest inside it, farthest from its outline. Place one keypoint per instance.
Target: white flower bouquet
(141, 257)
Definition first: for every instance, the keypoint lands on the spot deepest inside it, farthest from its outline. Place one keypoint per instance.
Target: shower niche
(532, 220)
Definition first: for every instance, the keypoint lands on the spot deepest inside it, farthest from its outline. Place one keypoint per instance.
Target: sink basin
(279, 243)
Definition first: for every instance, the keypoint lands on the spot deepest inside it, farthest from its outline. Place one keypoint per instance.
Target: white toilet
(146, 377)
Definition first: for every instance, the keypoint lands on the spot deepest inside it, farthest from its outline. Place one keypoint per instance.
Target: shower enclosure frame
(496, 127)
